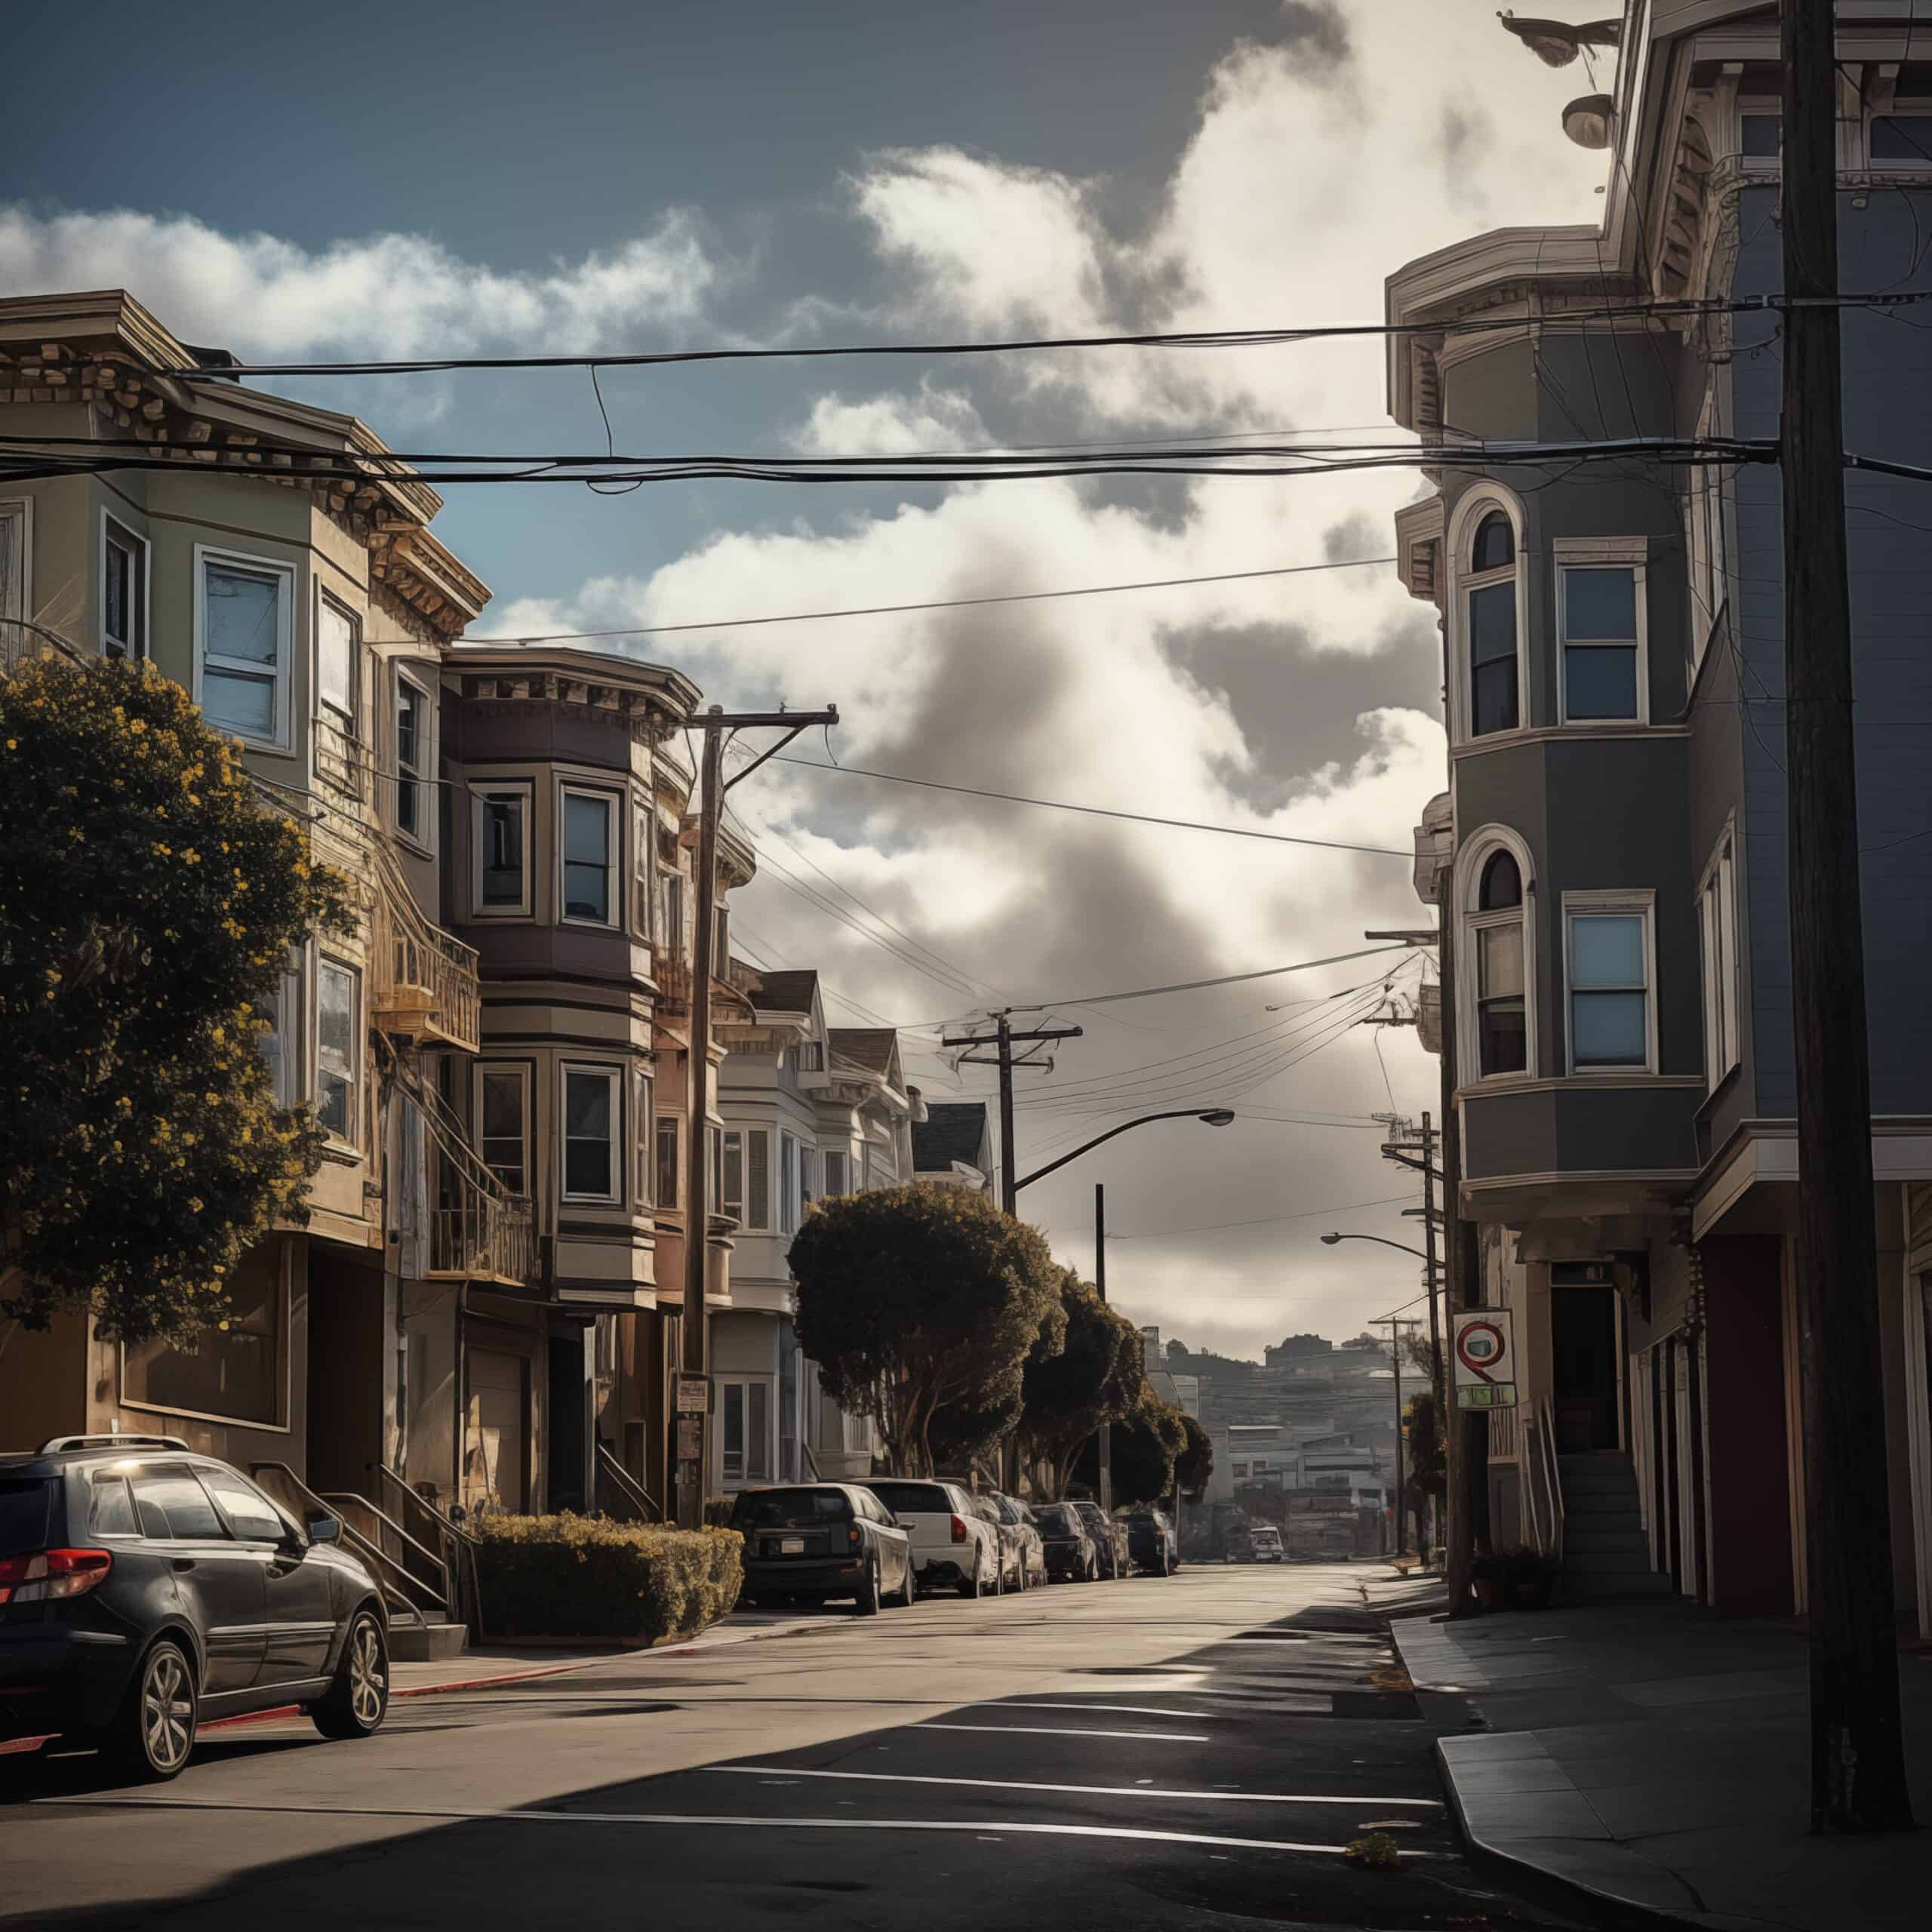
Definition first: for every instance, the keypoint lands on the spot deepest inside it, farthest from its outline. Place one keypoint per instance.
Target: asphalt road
(1194, 1751)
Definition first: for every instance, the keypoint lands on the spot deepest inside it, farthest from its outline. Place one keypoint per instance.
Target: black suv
(144, 1588)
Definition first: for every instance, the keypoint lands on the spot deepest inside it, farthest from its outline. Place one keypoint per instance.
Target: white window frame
(746, 1383)
(524, 791)
(352, 1073)
(1470, 863)
(17, 538)
(352, 726)
(670, 1125)
(615, 1077)
(280, 677)
(643, 870)
(288, 1032)
(1634, 904)
(843, 1155)
(423, 774)
(114, 533)
(612, 799)
(1470, 514)
(1716, 940)
(644, 1135)
(788, 1184)
(1631, 553)
(520, 1072)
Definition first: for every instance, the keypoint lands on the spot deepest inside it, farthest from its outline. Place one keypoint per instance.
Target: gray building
(1613, 863)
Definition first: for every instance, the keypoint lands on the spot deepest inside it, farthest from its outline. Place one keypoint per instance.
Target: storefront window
(234, 1372)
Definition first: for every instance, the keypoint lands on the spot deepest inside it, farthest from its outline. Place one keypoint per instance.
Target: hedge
(574, 1576)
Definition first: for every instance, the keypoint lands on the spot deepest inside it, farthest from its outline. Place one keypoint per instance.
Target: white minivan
(952, 1542)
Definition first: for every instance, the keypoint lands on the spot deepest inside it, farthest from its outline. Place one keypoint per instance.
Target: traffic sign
(1485, 1358)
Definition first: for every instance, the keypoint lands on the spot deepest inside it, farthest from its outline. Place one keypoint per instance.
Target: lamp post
(1212, 1117)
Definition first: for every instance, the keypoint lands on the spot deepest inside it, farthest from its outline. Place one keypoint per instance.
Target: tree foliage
(148, 902)
(1195, 1463)
(912, 1299)
(1146, 1444)
(1098, 1372)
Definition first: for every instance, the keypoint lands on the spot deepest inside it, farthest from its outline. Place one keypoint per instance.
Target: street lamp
(1330, 1240)
(1215, 1117)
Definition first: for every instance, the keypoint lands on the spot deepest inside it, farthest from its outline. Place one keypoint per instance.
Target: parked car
(1109, 1535)
(1021, 1557)
(1266, 1541)
(1151, 1542)
(1035, 1546)
(145, 1589)
(808, 1542)
(1072, 1556)
(952, 1543)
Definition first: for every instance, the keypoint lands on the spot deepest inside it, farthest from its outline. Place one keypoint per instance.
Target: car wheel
(1022, 1574)
(912, 1592)
(868, 1598)
(153, 1733)
(358, 1699)
(971, 1586)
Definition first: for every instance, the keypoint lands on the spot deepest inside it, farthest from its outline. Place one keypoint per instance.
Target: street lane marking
(1131, 1710)
(1360, 1804)
(1041, 1731)
(450, 1814)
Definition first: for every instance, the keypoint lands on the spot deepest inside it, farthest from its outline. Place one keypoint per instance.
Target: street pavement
(1192, 1751)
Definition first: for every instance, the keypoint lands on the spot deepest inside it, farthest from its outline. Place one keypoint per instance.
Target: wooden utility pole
(690, 1430)
(1394, 1328)
(1858, 1775)
(1105, 1458)
(1001, 1040)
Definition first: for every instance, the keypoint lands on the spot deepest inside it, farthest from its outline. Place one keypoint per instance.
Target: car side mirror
(322, 1528)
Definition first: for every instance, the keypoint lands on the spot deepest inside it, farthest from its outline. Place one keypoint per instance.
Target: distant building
(953, 1145)
(1297, 1348)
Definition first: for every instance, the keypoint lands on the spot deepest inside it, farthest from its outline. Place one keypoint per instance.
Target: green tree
(1146, 1444)
(914, 1299)
(1425, 1468)
(148, 902)
(1096, 1373)
(1195, 1463)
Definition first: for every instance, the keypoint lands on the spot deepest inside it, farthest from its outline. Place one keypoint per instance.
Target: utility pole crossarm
(792, 722)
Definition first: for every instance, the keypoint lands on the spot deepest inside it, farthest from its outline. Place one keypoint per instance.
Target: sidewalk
(1652, 1754)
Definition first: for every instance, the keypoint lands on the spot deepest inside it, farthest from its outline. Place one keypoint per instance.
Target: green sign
(1487, 1395)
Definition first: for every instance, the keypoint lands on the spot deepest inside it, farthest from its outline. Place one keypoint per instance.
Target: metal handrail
(460, 1548)
(1553, 1475)
(408, 949)
(396, 1583)
(627, 1485)
(340, 1500)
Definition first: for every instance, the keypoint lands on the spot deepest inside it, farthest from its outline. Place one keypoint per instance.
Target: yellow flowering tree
(148, 901)
(914, 1299)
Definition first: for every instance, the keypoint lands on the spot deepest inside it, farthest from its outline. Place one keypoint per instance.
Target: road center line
(1132, 1710)
(977, 1827)
(1042, 1730)
(1359, 1804)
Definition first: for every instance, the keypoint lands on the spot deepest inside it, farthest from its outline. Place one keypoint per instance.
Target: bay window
(1608, 961)
(1503, 1045)
(670, 1188)
(502, 1124)
(244, 610)
(415, 815)
(591, 1106)
(500, 827)
(1601, 671)
(1717, 934)
(124, 592)
(1490, 623)
(589, 843)
(338, 1059)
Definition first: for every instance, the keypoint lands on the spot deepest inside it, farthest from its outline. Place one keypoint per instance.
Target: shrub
(587, 1576)
(718, 1511)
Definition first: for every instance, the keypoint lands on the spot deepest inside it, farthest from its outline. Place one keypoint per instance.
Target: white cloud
(932, 419)
(387, 295)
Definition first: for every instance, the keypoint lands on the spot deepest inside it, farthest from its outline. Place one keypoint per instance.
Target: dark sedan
(1151, 1542)
(1109, 1536)
(1071, 1555)
(143, 1589)
(808, 1542)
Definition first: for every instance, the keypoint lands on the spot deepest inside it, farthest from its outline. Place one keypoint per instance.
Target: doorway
(495, 1430)
(1584, 1368)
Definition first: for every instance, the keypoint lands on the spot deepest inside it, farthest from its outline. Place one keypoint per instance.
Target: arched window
(1489, 620)
(1496, 923)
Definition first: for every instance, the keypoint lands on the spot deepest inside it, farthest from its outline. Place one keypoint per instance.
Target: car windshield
(913, 1499)
(24, 1503)
(789, 1508)
(1059, 1516)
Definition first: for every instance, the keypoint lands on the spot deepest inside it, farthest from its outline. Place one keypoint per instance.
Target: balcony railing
(425, 987)
(672, 972)
(487, 1238)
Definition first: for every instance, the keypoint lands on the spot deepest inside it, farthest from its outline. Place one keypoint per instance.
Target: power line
(1096, 811)
(1255, 338)
(1195, 985)
(1266, 1221)
(937, 604)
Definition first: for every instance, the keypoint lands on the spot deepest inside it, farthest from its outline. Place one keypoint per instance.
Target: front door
(494, 1475)
(1583, 1363)
(218, 1580)
(298, 1612)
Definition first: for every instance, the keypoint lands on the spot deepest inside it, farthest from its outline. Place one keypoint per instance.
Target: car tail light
(958, 1530)
(49, 1574)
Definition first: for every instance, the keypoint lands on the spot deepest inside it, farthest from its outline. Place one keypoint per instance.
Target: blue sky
(369, 181)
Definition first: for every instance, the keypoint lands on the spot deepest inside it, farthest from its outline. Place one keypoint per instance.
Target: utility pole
(1106, 1449)
(1395, 1355)
(1858, 1775)
(691, 1432)
(1002, 1040)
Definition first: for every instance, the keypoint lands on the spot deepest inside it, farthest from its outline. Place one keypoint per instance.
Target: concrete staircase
(1605, 1551)
(425, 1636)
